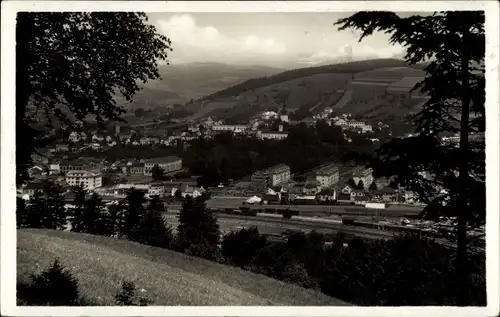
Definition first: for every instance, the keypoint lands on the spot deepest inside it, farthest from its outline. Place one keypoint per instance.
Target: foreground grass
(100, 264)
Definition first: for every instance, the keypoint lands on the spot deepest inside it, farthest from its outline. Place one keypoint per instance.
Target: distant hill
(194, 80)
(169, 278)
(345, 68)
(360, 88)
(183, 82)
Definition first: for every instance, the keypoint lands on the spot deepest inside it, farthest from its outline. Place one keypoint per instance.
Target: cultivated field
(169, 278)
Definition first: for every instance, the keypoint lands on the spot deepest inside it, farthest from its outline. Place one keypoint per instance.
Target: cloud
(357, 52)
(193, 42)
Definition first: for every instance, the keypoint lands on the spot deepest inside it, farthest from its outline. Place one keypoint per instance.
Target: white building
(89, 179)
(328, 175)
(284, 118)
(363, 175)
(229, 128)
(273, 135)
(168, 164)
(54, 168)
(269, 115)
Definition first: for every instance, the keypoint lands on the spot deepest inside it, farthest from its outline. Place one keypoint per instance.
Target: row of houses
(142, 167)
(305, 194)
(161, 189)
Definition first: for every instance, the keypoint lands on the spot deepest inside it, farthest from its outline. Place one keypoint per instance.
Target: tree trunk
(461, 257)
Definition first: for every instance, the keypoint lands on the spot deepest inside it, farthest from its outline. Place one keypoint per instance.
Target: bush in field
(406, 270)
(278, 261)
(55, 286)
(127, 296)
(241, 246)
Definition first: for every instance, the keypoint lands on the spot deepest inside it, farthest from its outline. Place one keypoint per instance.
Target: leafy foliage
(55, 286)
(229, 157)
(71, 64)
(454, 42)
(406, 270)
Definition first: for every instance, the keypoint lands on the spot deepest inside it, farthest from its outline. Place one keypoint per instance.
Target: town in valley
(200, 159)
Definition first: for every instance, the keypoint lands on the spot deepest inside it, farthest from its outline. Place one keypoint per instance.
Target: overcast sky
(273, 39)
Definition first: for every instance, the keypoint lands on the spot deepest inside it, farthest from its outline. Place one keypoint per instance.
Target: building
(54, 168)
(76, 165)
(284, 117)
(156, 189)
(81, 164)
(62, 148)
(312, 188)
(328, 175)
(273, 176)
(89, 179)
(30, 188)
(229, 128)
(168, 164)
(272, 135)
(136, 169)
(269, 115)
(364, 175)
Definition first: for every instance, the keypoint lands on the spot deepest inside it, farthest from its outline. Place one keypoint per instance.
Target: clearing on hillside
(170, 278)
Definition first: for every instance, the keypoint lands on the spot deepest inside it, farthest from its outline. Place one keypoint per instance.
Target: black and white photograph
(309, 158)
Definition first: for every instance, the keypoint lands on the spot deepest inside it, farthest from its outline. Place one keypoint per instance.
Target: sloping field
(315, 91)
(389, 74)
(169, 278)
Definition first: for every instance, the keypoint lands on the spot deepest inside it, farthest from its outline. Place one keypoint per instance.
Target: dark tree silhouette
(360, 185)
(127, 296)
(287, 214)
(157, 173)
(153, 229)
(21, 213)
(55, 286)
(134, 212)
(77, 211)
(373, 186)
(456, 85)
(241, 246)
(198, 229)
(69, 65)
(115, 219)
(46, 209)
(96, 218)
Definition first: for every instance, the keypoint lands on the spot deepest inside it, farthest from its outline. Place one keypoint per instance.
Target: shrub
(287, 214)
(55, 286)
(406, 270)
(241, 246)
(127, 296)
